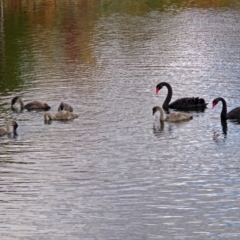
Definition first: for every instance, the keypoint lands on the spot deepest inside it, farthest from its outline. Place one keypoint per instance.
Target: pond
(115, 172)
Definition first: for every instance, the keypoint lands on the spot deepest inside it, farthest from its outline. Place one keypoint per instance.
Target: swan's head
(159, 87)
(215, 102)
(46, 106)
(61, 106)
(14, 100)
(154, 110)
(162, 84)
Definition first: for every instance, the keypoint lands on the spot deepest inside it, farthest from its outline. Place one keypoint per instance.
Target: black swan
(173, 116)
(233, 114)
(10, 123)
(182, 103)
(35, 105)
(65, 106)
(62, 115)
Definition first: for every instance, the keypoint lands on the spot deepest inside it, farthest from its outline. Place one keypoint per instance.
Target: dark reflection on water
(115, 172)
(224, 127)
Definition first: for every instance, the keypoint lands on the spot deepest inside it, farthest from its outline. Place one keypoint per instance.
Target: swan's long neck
(21, 102)
(48, 116)
(9, 127)
(161, 113)
(224, 109)
(169, 95)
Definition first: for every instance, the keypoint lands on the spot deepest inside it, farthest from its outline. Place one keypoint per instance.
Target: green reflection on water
(20, 19)
(14, 49)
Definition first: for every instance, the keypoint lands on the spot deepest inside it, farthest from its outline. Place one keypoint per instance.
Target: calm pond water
(114, 173)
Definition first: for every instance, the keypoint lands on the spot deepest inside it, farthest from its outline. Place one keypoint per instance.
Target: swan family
(193, 103)
(65, 111)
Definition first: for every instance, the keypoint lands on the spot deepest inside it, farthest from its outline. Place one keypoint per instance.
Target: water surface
(114, 172)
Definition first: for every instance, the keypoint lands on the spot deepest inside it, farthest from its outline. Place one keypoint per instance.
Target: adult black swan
(181, 103)
(233, 114)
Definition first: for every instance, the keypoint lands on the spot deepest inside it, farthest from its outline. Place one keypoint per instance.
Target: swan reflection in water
(221, 137)
(160, 128)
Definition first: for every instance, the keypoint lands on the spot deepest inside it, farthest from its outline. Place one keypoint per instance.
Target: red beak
(157, 90)
(213, 105)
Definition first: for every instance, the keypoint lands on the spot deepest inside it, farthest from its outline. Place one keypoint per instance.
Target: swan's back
(3, 131)
(35, 105)
(234, 113)
(188, 103)
(178, 116)
(65, 115)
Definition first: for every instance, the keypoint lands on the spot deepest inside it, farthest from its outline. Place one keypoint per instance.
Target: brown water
(113, 173)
